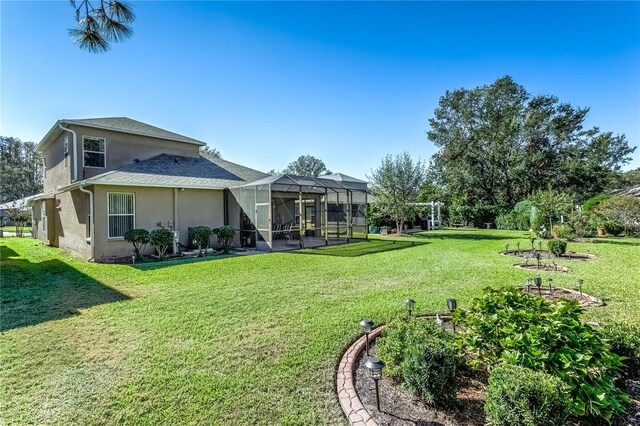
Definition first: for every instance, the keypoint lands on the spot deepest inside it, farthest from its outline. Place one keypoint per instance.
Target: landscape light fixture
(527, 285)
(579, 282)
(550, 282)
(538, 282)
(410, 304)
(367, 326)
(375, 366)
(452, 305)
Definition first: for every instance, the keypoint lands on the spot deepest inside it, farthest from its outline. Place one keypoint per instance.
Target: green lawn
(25, 229)
(241, 339)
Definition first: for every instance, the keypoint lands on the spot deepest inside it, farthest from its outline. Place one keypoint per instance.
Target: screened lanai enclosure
(284, 212)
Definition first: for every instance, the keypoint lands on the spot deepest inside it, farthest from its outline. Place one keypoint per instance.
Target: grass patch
(240, 339)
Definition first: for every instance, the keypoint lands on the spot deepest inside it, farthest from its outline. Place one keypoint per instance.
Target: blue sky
(346, 82)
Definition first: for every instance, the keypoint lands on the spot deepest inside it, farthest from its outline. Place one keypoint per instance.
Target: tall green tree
(396, 185)
(100, 23)
(21, 171)
(307, 165)
(497, 144)
(551, 204)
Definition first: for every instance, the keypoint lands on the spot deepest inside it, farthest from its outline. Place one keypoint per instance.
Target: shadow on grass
(152, 265)
(459, 235)
(33, 293)
(361, 248)
(619, 243)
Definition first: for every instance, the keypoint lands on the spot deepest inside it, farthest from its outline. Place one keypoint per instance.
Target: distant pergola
(436, 220)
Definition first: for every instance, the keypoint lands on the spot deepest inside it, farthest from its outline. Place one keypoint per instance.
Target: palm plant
(101, 22)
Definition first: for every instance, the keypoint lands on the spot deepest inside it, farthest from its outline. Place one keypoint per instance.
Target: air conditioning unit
(176, 240)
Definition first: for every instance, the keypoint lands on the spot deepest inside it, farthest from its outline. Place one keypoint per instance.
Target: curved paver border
(350, 402)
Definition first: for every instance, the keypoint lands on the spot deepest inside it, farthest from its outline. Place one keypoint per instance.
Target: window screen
(121, 213)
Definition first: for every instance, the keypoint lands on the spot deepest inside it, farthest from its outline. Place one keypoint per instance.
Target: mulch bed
(544, 254)
(557, 293)
(401, 408)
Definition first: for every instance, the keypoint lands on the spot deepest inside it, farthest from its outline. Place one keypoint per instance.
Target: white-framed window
(94, 152)
(121, 213)
(66, 152)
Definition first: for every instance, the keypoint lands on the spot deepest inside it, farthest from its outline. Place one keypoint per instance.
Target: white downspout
(75, 151)
(91, 236)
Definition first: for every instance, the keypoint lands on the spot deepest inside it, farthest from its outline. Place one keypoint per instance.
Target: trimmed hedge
(520, 396)
(161, 239)
(557, 247)
(422, 356)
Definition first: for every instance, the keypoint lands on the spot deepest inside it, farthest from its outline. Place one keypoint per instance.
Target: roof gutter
(91, 222)
(75, 151)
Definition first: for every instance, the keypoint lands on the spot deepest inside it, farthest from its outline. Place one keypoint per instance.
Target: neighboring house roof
(24, 202)
(117, 124)
(176, 171)
(633, 191)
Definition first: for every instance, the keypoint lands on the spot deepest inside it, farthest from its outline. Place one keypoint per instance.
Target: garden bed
(542, 268)
(399, 407)
(545, 254)
(585, 300)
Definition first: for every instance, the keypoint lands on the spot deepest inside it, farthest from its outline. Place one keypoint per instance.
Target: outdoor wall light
(375, 366)
(410, 304)
(367, 326)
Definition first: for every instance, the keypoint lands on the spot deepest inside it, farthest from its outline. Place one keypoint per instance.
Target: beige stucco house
(105, 176)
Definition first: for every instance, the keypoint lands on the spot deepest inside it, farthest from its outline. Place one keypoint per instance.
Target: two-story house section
(105, 176)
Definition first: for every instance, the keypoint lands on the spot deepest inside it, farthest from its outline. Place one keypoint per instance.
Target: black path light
(410, 305)
(367, 326)
(527, 285)
(375, 366)
(538, 282)
(550, 282)
(452, 305)
(579, 282)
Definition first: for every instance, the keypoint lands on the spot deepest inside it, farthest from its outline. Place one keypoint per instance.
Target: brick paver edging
(349, 399)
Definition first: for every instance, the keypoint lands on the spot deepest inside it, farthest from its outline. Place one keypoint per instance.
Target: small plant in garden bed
(557, 247)
(508, 326)
(161, 239)
(201, 236)
(520, 396)
(139, 238)
(422, 356)
(226, 235)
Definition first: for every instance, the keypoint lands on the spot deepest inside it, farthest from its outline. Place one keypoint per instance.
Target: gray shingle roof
(176, 171)
(127, 125)
(633, 191)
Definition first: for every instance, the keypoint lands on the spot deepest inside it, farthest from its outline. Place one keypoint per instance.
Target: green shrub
(564, 230)
(139, 238)
(557, 247)
(613, 228)
(161, 239)
(592, 203)
(625, 342)
(507, 325)
(624, 210)
(201, 236)
(583, 224)
(421, 355)
(520, 396)
(507, 221)
(226, 235)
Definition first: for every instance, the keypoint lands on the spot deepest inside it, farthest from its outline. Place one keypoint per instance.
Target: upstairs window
(121, 213)
(95, 152)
